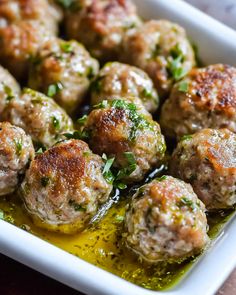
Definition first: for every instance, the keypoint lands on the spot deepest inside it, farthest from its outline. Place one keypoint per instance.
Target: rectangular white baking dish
(216, 43)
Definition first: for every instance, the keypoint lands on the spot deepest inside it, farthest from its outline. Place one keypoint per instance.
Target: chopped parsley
(107, 173)
(53, 89)
(82, 120)
(8, 92)
(76, 206)
(187, 202)
(186, 137)
(39, 151)
(66, 47)
(175, 63)
(55, 122)
(18, 145)
(163, 177)
(139, 121)
(102, 105)
(146, 93)
(77, 135)
(130, 168)
(183, 86)
(44, 181)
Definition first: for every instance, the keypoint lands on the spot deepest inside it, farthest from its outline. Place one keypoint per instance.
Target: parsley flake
(183, 86)
(66, 47)
(53, 89)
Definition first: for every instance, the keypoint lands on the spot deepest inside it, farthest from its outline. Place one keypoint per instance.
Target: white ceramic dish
(217, 43)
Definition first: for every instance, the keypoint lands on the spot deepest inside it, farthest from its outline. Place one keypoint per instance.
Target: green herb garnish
(82, 120)
(130, 168)
(107, 173)
(9, 92)
(186, 137)
(183, 86)
(77, 135)
(53, 89)
(102, 105)
(146, 93)
(55, 122)
(39, 151)
(175, 64)
(66, 47)
(18, 145)
(186, 202)
(163, 177)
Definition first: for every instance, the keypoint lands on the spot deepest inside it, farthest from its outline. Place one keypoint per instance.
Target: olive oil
(102, 245)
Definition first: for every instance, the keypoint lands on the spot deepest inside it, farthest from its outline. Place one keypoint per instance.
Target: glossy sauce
(101, 244)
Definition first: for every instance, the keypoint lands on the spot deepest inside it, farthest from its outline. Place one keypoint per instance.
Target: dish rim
(90, 279)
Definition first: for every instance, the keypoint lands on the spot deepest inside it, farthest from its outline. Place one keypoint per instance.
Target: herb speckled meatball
(16, 151)
(160, 48)
(9, 88)
(12, 11)
(120, 80)
(166, 222)
(19, 43)
(122, 130)
(39, 116)
(63, 70)
(207, 160)
(101, 25)
(64, 187)
(206, 98)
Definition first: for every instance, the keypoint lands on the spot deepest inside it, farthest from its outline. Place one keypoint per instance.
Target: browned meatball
(160, 48)
(120, 129)
(12, 11)
(101, 24)
(207, 160)
(39, 116)
(63, 70)
(166, 221)
(64, 187)
(120, 80)
(16, 151)
(19, 43)
(9, 88)
(206, 98)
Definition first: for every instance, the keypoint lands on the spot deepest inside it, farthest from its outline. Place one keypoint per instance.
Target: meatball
(206, 98)
(19, 43)
(12, 11)
(39, 116)
(9, 88)
(122, 130)
(63, 71)
(64, 187)
(16, 151)
(101, 25)
(207, 160)
(160, 48)
(121, 80)
(166, 222)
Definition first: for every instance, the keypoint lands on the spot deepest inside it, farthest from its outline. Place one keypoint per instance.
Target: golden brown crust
(63, 159)
(107, 135)
(219, 77)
